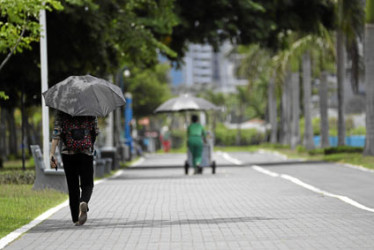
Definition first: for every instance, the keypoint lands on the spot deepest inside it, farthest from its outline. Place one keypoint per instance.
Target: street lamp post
(127, 113)
(128, 119)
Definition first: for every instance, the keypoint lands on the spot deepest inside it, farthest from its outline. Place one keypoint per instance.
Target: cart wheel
(186, 167)
(213, 167)
(200, 170)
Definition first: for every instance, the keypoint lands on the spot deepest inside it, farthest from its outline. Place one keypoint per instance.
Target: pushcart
(190, 103)
(207, 156)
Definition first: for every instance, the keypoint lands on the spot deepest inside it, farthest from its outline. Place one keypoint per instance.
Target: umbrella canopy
(84, 96)
(185, 103)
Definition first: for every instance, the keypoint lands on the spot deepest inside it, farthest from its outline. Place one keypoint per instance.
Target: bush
(17, 177)
(317, 151)
(227, 137)
(178, 138)
(357, 131)
(343, 149)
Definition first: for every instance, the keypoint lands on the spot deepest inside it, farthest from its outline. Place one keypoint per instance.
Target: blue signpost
(128, 119)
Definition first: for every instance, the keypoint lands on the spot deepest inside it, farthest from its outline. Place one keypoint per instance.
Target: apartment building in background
(205, 68)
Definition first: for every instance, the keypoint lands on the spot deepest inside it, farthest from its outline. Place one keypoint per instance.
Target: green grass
(17, 165)
(19, 205)
(236, 148)
(347, 158)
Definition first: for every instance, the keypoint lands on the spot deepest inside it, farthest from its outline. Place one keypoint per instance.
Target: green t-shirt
(195, 129)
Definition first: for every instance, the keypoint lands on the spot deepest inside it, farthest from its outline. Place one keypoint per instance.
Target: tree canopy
(244, 22)
(99, 37)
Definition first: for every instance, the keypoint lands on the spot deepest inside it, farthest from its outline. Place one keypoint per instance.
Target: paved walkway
(238, 208)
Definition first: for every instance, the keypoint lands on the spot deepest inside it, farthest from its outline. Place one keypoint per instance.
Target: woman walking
(77, 135)
(196, 137)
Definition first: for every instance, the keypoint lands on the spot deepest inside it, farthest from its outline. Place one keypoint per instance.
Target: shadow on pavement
(282, 163)
(100, 223)
(244, 164)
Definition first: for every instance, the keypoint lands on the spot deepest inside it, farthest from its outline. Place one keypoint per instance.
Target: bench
(47, 178)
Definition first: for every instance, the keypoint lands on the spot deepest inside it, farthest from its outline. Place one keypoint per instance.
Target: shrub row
(223, 137)
(336, 150)
(17, 177)
(227, 137)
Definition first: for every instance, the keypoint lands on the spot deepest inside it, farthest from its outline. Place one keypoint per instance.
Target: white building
(204, 67)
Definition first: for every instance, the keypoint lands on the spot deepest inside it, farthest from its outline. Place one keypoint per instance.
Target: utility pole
(44, 77)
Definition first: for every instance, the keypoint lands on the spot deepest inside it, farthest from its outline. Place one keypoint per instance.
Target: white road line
(227, 157)
(314, 189)
(264, 171)
(18, 232)
(264, 151)
(138, 162)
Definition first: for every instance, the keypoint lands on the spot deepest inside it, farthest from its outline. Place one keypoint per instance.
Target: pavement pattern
(237, 208)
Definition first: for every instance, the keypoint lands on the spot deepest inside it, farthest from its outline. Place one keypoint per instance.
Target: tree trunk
(29, 135)
(308, 129)
(272, 104)
(3, 151)
(295, 108)
(286, 111)
(323, 108)
(13, 149)
(369, 86)
(239, 131)
(341, 75)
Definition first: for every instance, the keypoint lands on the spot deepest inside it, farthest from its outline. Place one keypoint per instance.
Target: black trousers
(78, 170)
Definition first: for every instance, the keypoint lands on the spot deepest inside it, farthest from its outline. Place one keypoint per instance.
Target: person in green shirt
(196, 137)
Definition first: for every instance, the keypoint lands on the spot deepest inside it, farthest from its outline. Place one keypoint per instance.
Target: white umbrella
(185, 103)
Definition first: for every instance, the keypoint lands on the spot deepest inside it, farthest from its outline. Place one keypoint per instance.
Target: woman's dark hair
(194, 118)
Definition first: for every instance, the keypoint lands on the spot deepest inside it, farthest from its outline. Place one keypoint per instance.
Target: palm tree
(272, 105)
(323, 104)
(295, 109)
(369, 77)
(349, 18)
(243, 100)
(340, 63)
(256, 66)
(307, 90)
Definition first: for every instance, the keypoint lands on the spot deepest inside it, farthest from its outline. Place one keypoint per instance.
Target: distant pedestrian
(77, 135)
(196, 136)
(165, 138)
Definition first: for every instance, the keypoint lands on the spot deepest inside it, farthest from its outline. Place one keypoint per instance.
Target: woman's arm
(55, 140)
(52, 158)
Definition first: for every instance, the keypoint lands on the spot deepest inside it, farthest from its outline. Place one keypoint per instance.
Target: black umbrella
(185, 103)
(84, 96)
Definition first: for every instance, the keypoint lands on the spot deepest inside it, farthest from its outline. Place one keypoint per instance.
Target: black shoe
(83, 208)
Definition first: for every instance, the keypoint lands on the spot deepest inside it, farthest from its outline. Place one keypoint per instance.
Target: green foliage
(369, 11)
(18, 177)
(227, 137)
(316, 151)
(140, 29)
(336, 150)
(357, 131)
(247, 22)
(178, 139)
(333, 127)
(3, 95)
(149, 88)
(342, 149)
(19, 23)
